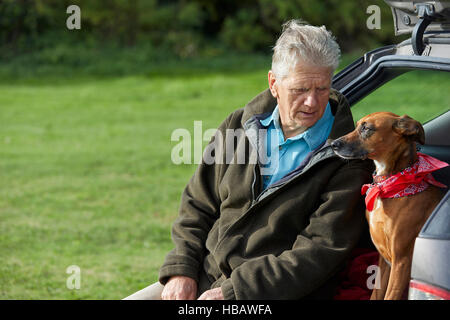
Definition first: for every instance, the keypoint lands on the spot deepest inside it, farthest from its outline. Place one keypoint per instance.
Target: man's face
(302, 97)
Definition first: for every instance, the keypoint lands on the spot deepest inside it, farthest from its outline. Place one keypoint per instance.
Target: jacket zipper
(281, 185)
(256, 202)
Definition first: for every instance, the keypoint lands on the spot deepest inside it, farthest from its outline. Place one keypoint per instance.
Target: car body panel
(431, 257)
(405, 13)
(436, 273)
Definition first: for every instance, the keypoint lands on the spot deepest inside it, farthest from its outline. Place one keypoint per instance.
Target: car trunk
(408, 13)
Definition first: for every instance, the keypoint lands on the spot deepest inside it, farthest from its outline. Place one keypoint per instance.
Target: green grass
(86, 172)
(87, 178)
(422, 95)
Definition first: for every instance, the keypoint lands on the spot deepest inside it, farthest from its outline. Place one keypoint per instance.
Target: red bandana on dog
(410, 181)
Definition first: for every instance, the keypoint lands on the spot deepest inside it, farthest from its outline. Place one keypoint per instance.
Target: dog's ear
(407, 126)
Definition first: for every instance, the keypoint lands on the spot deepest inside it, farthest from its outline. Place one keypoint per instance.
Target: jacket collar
(264, 103)
(314, 136)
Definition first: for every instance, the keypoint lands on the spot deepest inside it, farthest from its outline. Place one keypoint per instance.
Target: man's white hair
(310, 45)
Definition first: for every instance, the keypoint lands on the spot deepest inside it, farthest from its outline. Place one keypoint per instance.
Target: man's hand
(180, 288)
(213, 294)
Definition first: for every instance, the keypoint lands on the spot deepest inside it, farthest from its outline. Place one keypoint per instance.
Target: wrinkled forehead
(303, 72)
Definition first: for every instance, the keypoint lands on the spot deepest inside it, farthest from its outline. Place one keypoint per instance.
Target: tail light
(423, 291)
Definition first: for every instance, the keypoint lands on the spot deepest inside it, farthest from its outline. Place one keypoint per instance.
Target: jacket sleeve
(333, 231)
(199, 209)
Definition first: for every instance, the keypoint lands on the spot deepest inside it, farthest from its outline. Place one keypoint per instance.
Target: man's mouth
(305, 114)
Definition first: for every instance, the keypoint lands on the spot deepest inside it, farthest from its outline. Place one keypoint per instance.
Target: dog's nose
(336, 144)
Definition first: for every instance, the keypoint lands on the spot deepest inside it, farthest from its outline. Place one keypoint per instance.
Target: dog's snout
(337, 144)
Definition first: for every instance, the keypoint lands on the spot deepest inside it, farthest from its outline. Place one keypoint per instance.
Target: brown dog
(400, 200)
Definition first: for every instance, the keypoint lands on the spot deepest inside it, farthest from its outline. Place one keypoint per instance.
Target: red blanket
(353, 284)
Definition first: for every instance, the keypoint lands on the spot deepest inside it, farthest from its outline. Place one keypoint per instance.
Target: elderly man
(278, 229)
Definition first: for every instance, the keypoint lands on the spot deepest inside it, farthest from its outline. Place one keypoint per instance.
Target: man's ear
(407, 126)
(272, 84)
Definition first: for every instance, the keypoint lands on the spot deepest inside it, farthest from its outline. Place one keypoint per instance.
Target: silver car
(426, 51)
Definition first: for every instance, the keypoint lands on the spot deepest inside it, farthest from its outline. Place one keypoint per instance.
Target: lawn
(87, 178)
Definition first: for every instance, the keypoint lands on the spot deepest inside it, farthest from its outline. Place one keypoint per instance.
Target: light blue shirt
(283, 156)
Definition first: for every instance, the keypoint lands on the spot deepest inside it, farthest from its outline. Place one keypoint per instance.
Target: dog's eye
(366, 131)
(365, 128)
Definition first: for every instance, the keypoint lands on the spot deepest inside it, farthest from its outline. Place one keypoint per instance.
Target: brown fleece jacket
(281, 243)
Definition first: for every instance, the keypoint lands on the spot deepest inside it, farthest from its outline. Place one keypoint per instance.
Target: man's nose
(311, 100)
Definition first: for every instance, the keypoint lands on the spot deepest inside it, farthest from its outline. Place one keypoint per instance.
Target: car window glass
(421, 94)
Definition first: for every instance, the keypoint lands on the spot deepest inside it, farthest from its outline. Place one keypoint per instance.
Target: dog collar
(409, 181)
